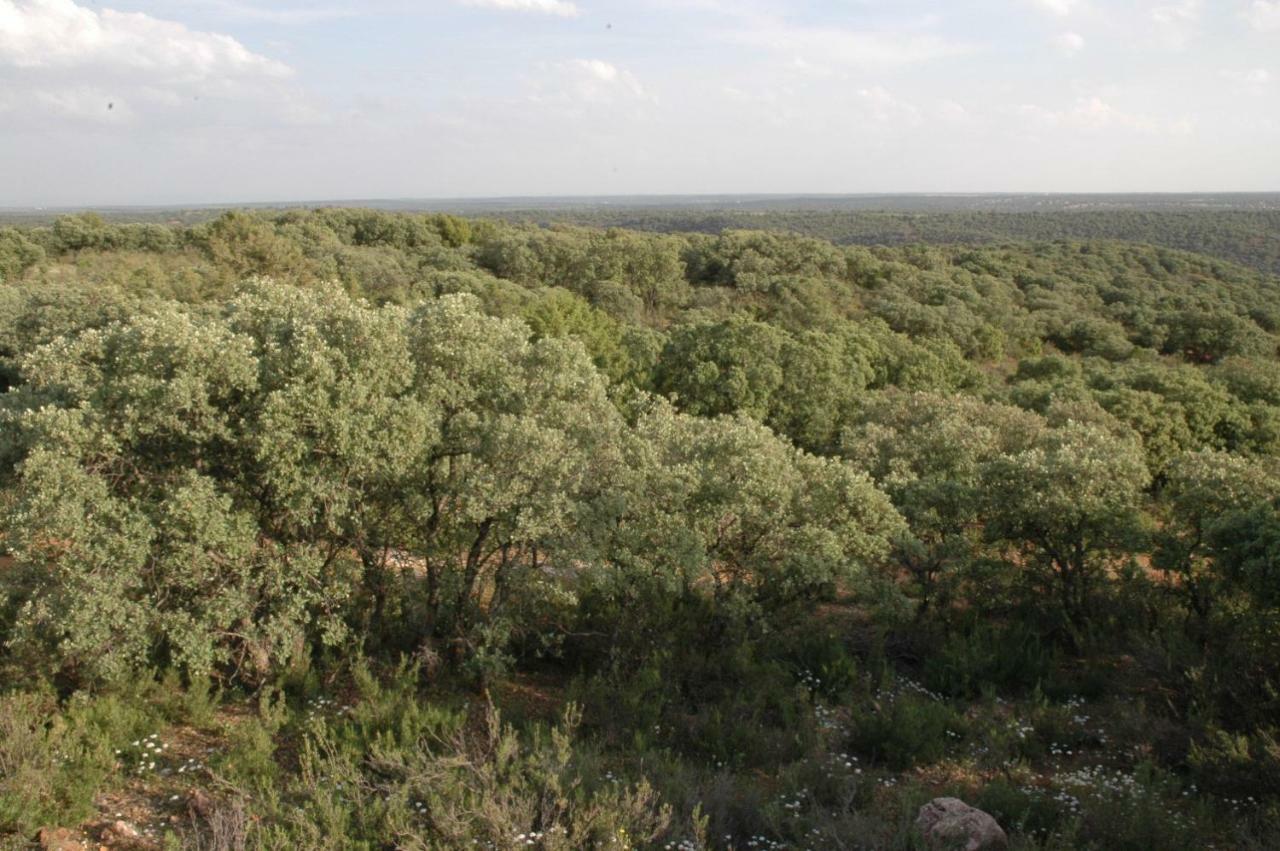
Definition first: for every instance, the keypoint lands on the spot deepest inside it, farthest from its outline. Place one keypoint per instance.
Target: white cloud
(275, 14)
(835, 46)
(1253, 78)
(953, 112)
(1096, 113)
(598, 72)
(563, 8)
(1057, 7)
(1264, 15)
(1176, 22)
(1068, 43)
(44, 34)
(883, 107)
(600, 80)
(64, 64)
(589, 82)
(804, 67)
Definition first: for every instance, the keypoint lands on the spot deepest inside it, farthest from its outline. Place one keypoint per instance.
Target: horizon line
(685, 197)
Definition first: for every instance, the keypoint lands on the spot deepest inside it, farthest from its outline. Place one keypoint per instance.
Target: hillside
(720, 530)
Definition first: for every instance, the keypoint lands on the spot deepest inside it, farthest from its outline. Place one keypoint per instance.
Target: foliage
(737, 495)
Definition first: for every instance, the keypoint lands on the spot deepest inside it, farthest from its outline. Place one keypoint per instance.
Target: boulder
(949, 824)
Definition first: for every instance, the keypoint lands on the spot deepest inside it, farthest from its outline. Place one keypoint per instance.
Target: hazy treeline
(1247, 236)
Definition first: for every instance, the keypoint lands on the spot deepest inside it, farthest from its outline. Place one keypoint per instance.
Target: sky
(223, 101)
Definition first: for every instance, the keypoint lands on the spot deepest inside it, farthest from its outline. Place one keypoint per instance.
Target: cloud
(804, 67)
(295, 15)
(1264, 15)
(563, 8)
(952, 112)
(1096, 114)
(883, 107)
(1057, 7)
(1176, 23)
(51, 34)
(588, 82)
(837, 46)
(1252, 79)
(1069, 43)
(63, 64)
(595, 79)
(599, 75)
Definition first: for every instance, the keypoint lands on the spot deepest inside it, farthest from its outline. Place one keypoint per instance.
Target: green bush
(1010, 657)
(822, 663)
(474, 783)
(1238, 766)
(1024, 809)
(905, 729)
(54, 760)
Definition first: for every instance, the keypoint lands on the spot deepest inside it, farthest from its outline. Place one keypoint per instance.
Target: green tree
(17, 255)
(1203, 495)
(930, 454)
(1070, 507)
(525, 428)
(722, 367)
(726, 505)
(191, 488)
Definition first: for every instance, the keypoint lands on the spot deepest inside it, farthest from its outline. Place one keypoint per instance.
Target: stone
(59, 839)
(949, 824)
(121, 834)
(122, 830)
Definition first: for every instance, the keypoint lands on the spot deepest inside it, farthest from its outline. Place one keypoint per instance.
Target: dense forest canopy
(1249, 236)
(1242, 228)
(766, 506)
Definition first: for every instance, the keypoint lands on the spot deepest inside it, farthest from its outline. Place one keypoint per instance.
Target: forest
(344, 528)
(1248, 235)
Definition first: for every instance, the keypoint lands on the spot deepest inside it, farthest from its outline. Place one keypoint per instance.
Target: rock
(121, 834)
(59, 839)
(949, 823)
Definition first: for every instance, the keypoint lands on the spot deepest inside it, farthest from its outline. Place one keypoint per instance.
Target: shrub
(905, 729)
(1006, 657)
(53, 760)
(1244, 765)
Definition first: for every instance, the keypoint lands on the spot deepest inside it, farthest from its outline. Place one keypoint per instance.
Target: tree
(1160, 423)
(748, 260)
(136, 551)
(725, 504)
(191, 488)
(1205, 495)
(1203, 336)
(817, 392)
(335, 429)
(929, 453)
(1246, 546)
(242, 245)
(17, 255)
(1070, 507)
(556, 312)
(722, 367)
(525, 430)
(1249, 379)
